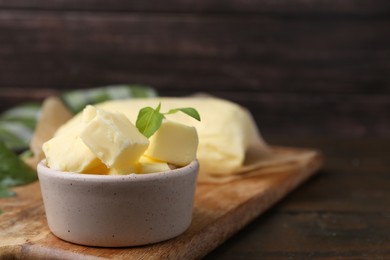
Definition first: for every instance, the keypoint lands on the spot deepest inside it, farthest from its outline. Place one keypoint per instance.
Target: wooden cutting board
(220, 211)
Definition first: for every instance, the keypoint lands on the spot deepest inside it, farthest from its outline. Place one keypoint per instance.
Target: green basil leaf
(149, 120)
(192, 112)
(13, 171)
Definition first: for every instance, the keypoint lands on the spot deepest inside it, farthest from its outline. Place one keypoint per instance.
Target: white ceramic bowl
(117, 211)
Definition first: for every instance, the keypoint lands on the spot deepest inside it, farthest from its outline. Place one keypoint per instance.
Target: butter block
(67, 152)
(149, 165)
(174, 143)
(113, 138)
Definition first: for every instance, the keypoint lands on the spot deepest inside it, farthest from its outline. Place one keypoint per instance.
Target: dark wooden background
(312, 67)
(314, 73)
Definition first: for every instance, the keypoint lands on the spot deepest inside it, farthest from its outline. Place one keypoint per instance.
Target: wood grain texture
(313, 67)
(253, 53)
(313, 73)
(220, 211)
(310, 235)
(313, 7)
(340, 213)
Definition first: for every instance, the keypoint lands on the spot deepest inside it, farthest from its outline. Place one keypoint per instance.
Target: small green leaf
(192, 112)
(158, 107)
(13, 171)
(149, 120)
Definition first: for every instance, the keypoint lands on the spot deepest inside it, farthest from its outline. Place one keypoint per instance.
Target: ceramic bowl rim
(45, 171)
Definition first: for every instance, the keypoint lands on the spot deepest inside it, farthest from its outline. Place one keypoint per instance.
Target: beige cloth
(53, 114)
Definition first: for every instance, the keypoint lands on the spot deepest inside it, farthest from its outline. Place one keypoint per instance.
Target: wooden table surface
(313, 73)
(341, 213)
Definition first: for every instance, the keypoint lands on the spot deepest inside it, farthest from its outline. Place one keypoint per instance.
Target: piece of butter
(174, 143)
(149, 165)
(124, 169)
(89, 113)
(112, 138)
(100, 169)
(67, 152)
(144, 165)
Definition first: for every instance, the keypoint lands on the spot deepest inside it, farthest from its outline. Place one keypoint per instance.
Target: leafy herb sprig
(150, 119)
(13, 171)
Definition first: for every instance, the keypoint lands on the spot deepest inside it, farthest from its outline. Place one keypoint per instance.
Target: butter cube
(89, 113)
(67, 152)
(124, 169)
(100, 169)
(149, 165)
(174, 143)
(113, 139)
(144, 165)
